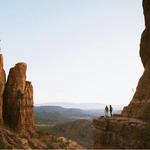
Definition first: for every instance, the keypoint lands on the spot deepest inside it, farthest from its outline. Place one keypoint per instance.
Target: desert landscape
(73, 125)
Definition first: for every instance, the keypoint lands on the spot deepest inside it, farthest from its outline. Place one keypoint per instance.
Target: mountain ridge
(80, 105)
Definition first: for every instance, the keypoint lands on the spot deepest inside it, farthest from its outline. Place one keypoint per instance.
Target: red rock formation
(140, 104)
(18, 100)
(132, 129)
(2, 86)
(121, 133)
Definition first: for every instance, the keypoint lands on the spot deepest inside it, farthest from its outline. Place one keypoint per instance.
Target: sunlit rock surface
(18, 100)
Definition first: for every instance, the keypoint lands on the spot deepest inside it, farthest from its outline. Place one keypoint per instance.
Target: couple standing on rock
(107, 110)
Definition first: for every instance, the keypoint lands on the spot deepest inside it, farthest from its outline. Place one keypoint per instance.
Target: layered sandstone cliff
(18, 100)
(132, 129)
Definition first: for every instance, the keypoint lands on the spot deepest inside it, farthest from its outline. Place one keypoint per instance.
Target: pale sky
(76, 50)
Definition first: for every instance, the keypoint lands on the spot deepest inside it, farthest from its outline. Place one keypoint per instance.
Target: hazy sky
(76, 50)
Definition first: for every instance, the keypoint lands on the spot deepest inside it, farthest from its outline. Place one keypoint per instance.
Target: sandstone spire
(18, 100)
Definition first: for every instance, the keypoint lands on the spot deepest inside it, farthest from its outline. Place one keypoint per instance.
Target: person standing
(106, 111)
(111, 110)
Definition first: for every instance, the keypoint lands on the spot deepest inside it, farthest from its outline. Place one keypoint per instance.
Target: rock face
(122, 133)
(145, 44)
(18, 100)
(140, 104)
(2, 86)
(132, 129)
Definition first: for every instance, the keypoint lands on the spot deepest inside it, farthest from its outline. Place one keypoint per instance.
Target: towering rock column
(2, 86)
(140, 104)
(18, 100)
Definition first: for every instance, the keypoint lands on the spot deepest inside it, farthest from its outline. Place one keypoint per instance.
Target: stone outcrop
(139, 107)
(140, 104)
(132, 128)
(121, 133)
(2, 86)
(18, 100)
(16, 109)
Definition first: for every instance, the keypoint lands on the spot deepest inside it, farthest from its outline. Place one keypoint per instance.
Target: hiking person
(110, 109)
(106, 111)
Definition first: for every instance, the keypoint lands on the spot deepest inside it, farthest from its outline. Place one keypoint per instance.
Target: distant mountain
(49, 108)
(69, 112)
(84, 106)
(58, 114)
